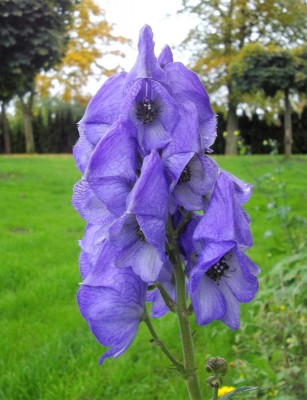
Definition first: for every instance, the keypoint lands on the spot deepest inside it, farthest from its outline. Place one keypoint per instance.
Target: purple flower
(152, 110)
(186, 86)
(112, 168)
(224, 219)
(223, 278)
(113, 307)
(139, 234)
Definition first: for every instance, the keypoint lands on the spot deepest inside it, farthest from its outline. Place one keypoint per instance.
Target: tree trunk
(26, 107)
(5, 130)
(232, 126)
(288, 126)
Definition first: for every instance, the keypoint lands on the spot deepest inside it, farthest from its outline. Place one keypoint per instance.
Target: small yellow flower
(224, 390)
(265, 143)
(282, 307)
(236, 133)
(225, 134)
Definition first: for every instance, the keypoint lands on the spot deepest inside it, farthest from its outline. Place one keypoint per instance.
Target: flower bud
(217, 365)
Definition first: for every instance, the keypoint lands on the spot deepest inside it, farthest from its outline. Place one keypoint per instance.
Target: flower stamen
(146, 111)
(140, 234)
(217, 271)
(185, 175)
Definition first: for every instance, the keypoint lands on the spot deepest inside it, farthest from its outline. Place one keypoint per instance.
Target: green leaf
(238, 391)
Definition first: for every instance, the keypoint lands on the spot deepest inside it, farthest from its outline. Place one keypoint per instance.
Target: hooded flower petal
(146, 65)
(149, 196)
(149, 107)
(185, 86)
(222, 272)
(114, 310)
(165, 57)
(103, 109)
(224, 219)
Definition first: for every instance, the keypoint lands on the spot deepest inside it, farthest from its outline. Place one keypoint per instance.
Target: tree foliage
(33, 37)
(271, 69)
(91, 39)
(226, 26)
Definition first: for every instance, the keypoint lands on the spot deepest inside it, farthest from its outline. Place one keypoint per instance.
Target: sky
(128, 17)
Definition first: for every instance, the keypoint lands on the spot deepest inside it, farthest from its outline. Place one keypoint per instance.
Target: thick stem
(215, 394)
(183, 317)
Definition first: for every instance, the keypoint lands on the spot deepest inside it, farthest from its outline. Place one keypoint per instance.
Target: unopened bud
(217, 365)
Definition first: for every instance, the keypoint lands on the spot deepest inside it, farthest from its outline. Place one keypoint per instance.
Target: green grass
(47, 351)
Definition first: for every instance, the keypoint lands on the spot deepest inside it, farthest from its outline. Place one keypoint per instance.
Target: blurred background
(251, 56)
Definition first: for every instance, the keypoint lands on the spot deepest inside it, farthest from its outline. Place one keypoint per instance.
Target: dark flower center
(146, 111)
(218, 270)
(140, 234)
(185, 175)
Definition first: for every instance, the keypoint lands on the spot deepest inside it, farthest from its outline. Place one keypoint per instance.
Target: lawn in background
(47, 351)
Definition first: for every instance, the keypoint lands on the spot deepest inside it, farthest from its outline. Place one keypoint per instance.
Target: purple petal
(223, 219)
(147, 263)
(243, 190)
(150, 193)
(114, 311)
(208, 302)
(185, 86)
(146, 65)
(232, 315)
(89, 206)
(155, 134)
(82, 151)
(174, 165)
(115, 155)
(211, 253)
(165, 57)
(113, 192)
(185, 136)
(103, 109)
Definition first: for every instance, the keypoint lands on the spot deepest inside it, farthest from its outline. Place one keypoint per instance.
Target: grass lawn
(47, 350)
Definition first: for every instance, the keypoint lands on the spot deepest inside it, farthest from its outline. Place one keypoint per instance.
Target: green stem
(162, 346)
(183, 317)
(215, 394)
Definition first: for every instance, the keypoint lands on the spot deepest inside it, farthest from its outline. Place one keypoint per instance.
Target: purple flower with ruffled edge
(223, 278)
(139, 234)
(113, 306)
(148, 104)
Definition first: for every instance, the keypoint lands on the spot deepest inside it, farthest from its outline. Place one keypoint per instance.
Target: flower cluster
(143, 148)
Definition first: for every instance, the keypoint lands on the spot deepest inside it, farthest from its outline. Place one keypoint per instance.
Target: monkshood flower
(113, 306)
(139, 234)
(164, 224)
(221, 276)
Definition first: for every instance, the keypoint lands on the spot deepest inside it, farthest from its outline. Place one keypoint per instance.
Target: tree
(33, 37)
(272, 69)
(225, 27)
(91, 40)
